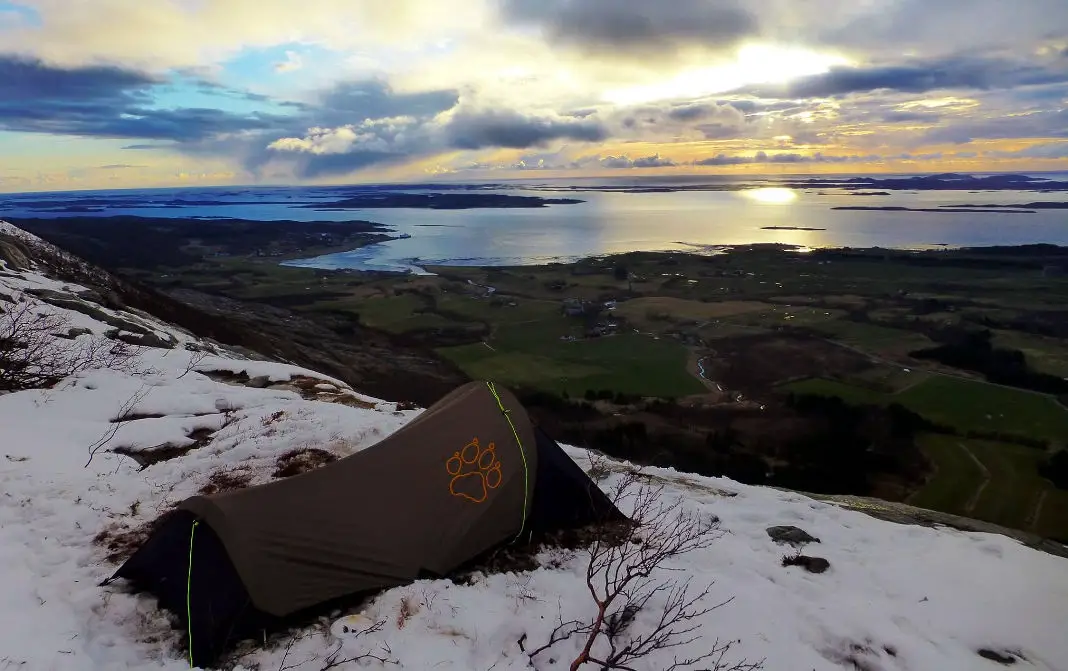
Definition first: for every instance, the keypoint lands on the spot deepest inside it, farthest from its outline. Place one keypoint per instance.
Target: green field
(973, 405)
(532, 354)
(1008, 492)
(847, 392)
(966, 405)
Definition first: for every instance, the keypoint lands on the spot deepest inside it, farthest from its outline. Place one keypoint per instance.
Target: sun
(771, 195)
(752, 64)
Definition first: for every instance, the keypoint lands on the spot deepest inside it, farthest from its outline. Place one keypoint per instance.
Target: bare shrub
(626, 576)
(35, 352)
(334, 659)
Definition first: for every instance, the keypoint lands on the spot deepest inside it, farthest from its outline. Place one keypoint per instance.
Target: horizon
(109, 94)
(531, 179)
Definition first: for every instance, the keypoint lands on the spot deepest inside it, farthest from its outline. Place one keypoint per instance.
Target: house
(573, 307)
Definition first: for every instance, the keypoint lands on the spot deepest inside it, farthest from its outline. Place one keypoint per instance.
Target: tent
(464, 477)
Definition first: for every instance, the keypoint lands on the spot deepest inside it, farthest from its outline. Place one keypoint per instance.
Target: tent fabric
(445, 487)
(466, 476)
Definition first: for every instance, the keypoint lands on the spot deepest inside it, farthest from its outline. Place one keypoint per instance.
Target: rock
(73, 333)
(811, 564)
(283, 386)
(791, 535)
(146, 340)
(1005, 658)
(259, 382)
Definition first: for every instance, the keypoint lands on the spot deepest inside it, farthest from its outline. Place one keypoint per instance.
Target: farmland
(689, 360)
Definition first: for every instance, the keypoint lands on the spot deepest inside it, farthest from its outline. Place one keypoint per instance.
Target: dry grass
(300, 461)
(226, 480)
(637, 310)
(346, 399)
(121, 540)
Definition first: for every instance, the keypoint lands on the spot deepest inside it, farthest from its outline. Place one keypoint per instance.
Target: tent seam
(522, 453)
(189, 592)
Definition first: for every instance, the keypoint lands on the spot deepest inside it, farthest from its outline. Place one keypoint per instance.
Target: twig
(120, 419)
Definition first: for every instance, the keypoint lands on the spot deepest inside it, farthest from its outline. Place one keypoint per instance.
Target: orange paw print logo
(475, 470)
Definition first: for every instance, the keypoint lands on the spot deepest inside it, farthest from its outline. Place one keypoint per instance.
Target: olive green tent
(465, 476)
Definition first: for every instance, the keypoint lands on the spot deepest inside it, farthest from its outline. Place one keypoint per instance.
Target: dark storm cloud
(620, 27)
(691, 112)
(922, 76)
(946, 26)
(22, 78)
(347, 102)
(493, 128)
(103, 102)
(1045, 124)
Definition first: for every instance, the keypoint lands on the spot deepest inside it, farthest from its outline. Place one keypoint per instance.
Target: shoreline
(933, 250)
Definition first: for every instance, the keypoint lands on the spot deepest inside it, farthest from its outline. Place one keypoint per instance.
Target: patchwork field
(967, 405)
(534, 355)
(994, 482)
(641, 309)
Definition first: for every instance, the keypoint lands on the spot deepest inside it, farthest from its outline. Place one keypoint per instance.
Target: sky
(150, 93)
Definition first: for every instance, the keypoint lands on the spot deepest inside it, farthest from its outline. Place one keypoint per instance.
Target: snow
(16, 232)
(896, 598)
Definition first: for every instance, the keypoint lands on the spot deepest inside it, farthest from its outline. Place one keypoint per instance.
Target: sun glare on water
(773, 195)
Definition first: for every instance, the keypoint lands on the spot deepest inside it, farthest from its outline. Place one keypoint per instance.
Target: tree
(37, 349)
(625, 577)
(621, 273)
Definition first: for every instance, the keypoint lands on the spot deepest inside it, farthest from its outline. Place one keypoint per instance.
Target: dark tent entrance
(468, 475)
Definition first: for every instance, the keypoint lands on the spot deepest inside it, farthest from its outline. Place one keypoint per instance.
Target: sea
(617, 215)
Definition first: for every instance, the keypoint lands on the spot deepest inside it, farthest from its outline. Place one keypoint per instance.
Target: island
(1040, 205)
(438, 201)
(942, 209)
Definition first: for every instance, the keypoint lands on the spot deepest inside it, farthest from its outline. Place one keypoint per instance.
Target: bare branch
(38, 348)
(384, 655)
(625, 576)
(195, 360)
(120, 419)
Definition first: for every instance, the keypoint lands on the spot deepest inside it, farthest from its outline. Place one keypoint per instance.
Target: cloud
(108, 102)
(625, 161)
(505, 128)
(622, 27)
(1050, 150)
(351, 125)
(379, 136)
(120, 166)
(32, 80)
(175, 33)
(945, 26)
(292, 63)
(921, 76)
(347, 101)
(619, 162)
(1039, 124)
(764, 157)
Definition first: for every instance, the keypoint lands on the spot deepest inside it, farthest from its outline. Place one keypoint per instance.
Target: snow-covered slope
(894, 598)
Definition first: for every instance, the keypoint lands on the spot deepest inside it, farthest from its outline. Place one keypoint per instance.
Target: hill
(89, 461)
